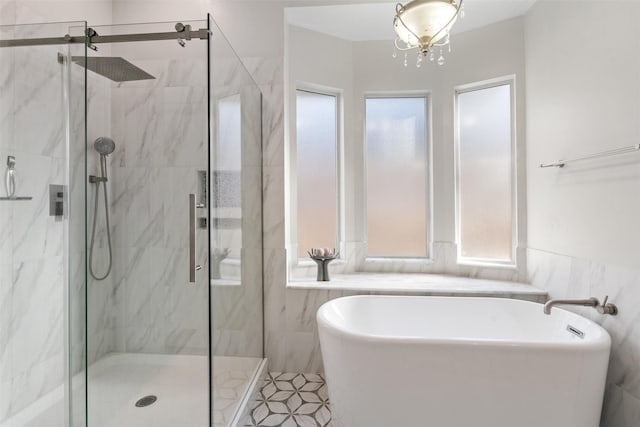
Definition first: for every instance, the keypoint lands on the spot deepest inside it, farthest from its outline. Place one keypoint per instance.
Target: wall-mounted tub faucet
(604, 308)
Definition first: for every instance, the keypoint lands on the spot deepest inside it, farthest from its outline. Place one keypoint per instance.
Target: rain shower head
(114, 68)
(104, 145)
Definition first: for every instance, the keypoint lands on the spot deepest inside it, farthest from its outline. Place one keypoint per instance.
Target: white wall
(34, 11)
(586, 101)
(584, 239)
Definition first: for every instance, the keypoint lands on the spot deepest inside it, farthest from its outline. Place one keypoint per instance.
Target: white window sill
(423, 284)
(480, 263)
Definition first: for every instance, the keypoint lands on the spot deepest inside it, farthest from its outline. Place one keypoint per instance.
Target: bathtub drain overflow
(146, 401)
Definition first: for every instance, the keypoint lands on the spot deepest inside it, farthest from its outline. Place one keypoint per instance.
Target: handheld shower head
(104, 145)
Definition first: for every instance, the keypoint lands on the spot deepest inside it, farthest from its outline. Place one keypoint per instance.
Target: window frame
(340, 191)
(429, 220)
(509, 80)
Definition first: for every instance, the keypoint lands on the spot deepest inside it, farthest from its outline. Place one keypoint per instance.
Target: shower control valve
(96, 179)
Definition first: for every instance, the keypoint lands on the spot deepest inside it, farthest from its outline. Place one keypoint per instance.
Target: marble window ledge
(423, 284)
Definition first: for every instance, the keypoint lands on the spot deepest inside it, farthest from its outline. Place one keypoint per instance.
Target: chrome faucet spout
(590, 302)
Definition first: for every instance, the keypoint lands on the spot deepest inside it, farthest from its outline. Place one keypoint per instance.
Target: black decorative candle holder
(322, 259)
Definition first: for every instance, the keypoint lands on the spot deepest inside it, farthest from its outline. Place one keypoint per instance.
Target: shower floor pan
(119, 380)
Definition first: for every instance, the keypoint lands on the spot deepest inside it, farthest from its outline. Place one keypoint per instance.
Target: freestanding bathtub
(396, 361)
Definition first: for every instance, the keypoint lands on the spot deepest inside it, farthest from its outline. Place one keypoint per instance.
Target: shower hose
(102, 180)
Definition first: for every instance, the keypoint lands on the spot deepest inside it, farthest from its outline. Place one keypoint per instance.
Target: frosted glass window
(485, 175)
(396, 138)
(316, 146)
(226, 179)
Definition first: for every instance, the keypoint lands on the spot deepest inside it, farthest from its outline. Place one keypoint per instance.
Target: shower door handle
(192, 239)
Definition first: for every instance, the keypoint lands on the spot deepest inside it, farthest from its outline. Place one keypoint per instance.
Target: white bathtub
(395, 361)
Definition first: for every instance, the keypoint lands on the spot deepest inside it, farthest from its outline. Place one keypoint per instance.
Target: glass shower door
(148, 319)
(236, 233)
(41, 305)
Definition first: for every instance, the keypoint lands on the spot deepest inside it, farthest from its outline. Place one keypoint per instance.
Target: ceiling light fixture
(424, 25)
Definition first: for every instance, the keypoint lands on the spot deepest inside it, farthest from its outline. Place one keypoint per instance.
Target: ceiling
(373, 21)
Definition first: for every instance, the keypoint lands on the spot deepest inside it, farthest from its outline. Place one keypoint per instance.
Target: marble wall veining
(35, 95)
(565, 276)
(160, 130)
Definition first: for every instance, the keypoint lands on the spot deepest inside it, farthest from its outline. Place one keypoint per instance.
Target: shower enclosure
(130, 275)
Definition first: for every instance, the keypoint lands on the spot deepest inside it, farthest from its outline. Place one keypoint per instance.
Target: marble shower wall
(33, 256)
(99, 307)
(570, 277)
(160, 129)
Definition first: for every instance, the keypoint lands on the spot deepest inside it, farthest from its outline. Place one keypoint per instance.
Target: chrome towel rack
(615, 152)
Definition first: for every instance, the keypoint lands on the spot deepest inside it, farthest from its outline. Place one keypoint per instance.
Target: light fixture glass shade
(424, 22)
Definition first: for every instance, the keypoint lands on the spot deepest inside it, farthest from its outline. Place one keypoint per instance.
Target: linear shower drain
(146, 401)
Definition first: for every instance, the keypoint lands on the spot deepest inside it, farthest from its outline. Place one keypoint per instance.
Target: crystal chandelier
(424, 25)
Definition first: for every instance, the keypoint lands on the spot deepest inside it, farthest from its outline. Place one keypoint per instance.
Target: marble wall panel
(161, 129)
(36, 329)
(32, 270)
(6, 368)
(273, 200)
(569, 277)
(275, 337)
(237, 311)
(6, 224)
(303, 345)
(77, 313)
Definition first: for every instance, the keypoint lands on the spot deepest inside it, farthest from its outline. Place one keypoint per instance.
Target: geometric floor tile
(292, 400)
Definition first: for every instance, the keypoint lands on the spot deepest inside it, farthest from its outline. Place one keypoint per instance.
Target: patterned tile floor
(292, 400)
